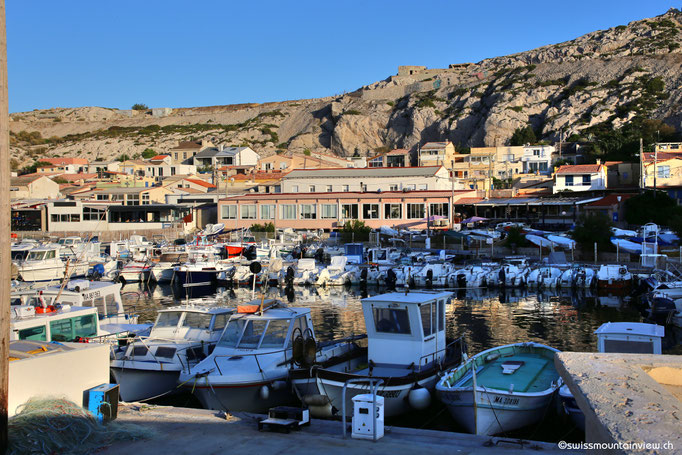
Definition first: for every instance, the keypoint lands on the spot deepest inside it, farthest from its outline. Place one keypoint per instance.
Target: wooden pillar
(5, 259)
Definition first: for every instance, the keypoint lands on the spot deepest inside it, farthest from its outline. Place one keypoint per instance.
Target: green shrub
(591, 229)
(139, 107)
(148, 153)
(523, 136)
(516, 108)
(267, 227)
(356, 227)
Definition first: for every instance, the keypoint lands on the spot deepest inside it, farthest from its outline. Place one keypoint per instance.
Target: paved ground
(197, 431)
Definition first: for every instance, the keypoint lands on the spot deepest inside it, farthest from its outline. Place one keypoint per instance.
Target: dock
(181, 431)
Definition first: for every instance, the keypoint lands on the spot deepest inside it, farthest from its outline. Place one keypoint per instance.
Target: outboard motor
(391, 279)
(319, 255)
(429, 278)
(502, 275)
(289, 277)
(97, 272)
(363, 277)
(461, 280)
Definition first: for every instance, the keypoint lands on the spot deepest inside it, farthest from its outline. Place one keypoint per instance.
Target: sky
(201, 53)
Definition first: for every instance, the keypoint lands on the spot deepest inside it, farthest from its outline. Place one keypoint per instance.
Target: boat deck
(535, 374)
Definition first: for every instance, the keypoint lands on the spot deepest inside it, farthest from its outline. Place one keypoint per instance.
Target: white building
(537, 159)
(226, 156)
(581, 177)
(366, 179)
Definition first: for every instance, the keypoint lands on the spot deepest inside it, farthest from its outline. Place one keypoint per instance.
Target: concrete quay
(631, 399)
(181, 431)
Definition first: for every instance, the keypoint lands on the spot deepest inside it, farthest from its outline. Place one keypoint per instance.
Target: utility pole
(5, 230)
(452, 198)
(642, 177)
(655, 167)
(561, 138)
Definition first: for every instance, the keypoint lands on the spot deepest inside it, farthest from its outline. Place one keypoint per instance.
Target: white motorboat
(135, 271)
(202, 269)
(407, 350)
(335, 274)
(162, 271)
(248, 369)
(433, 275)
(622, 337)
(181, 337)
(304, 272)
(501, 389)
(471, 276)
(614, 276)
(577, 277)
(545, 277)
(105, 296)
(42, 264)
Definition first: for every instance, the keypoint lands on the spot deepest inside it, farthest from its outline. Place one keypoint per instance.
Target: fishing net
(51, 425)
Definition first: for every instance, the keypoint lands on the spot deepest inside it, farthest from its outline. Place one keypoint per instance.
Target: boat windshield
(40, 255)
(255, 333)
(197, 320)
(390, 320)
(168, 319)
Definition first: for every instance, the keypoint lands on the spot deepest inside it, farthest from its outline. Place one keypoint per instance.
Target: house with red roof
(184, 182)
(63, 165)
(580, 177)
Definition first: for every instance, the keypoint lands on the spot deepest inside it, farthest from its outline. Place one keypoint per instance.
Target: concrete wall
(67, 374)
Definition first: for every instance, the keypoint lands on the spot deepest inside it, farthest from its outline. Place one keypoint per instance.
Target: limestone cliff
(602, 79)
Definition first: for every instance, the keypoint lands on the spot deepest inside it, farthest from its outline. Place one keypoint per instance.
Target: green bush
(148, 153)
(123, 157)
(139, 107)
(356, 227)
(649, 208)
(267, 227)
(591, 229)
(515, 238)
(523, 136)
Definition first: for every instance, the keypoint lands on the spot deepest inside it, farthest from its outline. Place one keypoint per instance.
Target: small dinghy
(501, 389)
(539, 241)
(627, 245)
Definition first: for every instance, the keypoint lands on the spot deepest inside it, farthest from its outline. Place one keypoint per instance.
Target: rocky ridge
(604, 79)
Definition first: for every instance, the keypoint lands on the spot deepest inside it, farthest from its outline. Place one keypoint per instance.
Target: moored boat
(501, 389)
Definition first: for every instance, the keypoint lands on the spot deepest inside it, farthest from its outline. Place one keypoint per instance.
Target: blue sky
(199, 53)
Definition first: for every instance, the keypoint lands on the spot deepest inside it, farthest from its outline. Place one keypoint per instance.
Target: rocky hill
(601, 81)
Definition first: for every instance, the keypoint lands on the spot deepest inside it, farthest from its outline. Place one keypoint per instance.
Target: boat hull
(242, 397)
(196, 277)
(495, 412)
(41, 274)
(138, 385)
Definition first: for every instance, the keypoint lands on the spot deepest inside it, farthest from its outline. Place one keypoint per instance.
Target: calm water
(485, 319)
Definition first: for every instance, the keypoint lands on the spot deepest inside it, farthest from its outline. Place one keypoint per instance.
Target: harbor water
(484, 318)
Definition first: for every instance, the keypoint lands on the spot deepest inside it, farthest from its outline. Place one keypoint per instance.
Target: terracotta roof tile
(579, 169)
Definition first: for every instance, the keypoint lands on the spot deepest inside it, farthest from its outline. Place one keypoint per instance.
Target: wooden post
(595, 252)
(5, 259)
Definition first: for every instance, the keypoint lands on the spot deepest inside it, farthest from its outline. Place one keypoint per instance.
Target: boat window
(390, 320)
(220, 321)
(252, 334)
(441, 315)
(427, 322)
(165, 351)
(15, 301)
(629, 347)
(62, 330)
(140, 351)
(87, 302)
(85, 326)
(34, 333)
(36, 301)
(50, 254)
(99, 304)
(111, 304)
(197, 320)
(35, 255)
(301, 323)
(276, 334)
(232, 333)
(168, 319)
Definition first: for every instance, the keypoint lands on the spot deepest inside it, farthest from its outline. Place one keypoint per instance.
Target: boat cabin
(43, 254)
(105, 296)
(382, 256)
(354, 253)
(190, 322)
(405, 329)
(272, 330)
(630, 337)
(56, 324)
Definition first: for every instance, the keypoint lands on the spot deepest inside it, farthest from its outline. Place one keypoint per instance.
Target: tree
(515, 238)
(523, 136)
(148, 153)
(123, 157)
(593, 228)
(267, 227)
(33, 167)
(647, 208)
(139, 107)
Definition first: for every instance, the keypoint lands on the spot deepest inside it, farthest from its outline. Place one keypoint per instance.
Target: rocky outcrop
(605, 78)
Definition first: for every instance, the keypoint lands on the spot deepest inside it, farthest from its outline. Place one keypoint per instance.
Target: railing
(374, 383)
(434, 355)
(255, 357)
